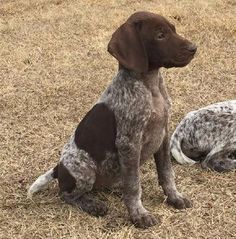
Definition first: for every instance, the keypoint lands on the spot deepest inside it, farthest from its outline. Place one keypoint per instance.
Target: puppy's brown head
(147, 41)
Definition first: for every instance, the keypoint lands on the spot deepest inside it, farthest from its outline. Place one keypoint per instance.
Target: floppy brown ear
(127, 47)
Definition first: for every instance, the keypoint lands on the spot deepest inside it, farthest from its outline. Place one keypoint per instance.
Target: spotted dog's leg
(129, 156)
(222, 158)
(76, 176)
(166, 177)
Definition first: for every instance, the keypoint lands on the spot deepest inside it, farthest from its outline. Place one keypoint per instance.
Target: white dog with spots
(207, 135)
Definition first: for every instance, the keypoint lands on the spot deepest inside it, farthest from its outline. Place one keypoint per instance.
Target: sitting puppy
(128, 125)
(207, 135)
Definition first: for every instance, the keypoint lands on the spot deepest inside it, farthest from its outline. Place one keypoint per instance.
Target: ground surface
(54, 66)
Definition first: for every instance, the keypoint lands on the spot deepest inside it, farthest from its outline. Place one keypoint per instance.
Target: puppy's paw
(143, 220)
(95, 208)
(87, 204)
(179, 202)
(99, 209)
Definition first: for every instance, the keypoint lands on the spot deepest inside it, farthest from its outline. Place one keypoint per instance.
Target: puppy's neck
(139, 76)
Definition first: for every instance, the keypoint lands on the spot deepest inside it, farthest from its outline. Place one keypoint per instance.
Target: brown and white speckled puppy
(207, 135)
(128, 125)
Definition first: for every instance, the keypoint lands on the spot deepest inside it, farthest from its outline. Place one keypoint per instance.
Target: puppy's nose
(192, 48)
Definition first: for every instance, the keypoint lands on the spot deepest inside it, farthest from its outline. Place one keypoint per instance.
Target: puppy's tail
(176, 150)
(42, 181)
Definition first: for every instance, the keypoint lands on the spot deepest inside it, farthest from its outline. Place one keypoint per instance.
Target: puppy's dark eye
(159, 36)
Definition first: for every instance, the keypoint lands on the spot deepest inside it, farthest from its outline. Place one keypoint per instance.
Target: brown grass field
(53, 67)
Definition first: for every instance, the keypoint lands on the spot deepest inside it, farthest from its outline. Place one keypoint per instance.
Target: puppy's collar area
(138, 76)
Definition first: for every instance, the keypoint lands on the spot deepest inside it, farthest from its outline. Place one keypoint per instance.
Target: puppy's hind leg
(76, 179)
(86, 203)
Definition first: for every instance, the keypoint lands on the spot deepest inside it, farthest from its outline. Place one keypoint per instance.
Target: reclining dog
(207, 135)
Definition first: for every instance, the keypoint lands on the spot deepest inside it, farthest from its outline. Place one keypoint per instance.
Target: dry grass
(53, 67)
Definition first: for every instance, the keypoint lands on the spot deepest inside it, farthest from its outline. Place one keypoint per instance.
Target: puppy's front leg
(129, 156)
(166, 176)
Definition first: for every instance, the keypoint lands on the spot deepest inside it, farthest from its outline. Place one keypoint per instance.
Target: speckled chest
(155, 129)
